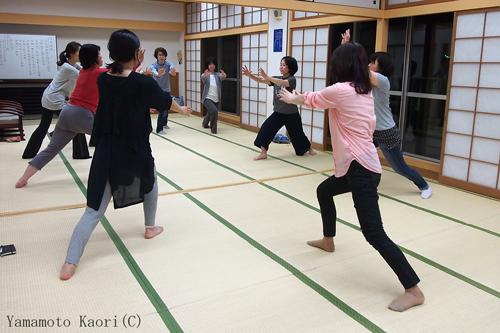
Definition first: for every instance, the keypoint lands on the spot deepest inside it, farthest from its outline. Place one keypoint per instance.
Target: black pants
(293, 124)
(210, 118)
(80, 148)
(363, 183)
(162, 120)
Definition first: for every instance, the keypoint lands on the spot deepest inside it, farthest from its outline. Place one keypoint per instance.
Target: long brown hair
(350, 64)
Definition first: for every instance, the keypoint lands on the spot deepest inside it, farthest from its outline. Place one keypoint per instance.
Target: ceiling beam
(297, 6)
(89, 22)
(440, 7)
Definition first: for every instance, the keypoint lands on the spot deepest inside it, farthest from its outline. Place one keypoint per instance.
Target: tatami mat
(233, 256)
(30, 288)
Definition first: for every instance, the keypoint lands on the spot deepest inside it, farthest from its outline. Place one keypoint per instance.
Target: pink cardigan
(352, 122)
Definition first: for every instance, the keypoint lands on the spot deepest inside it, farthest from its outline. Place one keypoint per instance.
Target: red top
(86, 93)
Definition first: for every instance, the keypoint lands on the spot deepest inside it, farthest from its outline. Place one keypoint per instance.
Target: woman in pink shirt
(357, 167)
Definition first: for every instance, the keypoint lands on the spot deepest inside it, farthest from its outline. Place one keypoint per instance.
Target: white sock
(426, 194)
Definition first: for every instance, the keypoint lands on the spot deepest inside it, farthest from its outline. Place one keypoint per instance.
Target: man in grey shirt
(162, 70)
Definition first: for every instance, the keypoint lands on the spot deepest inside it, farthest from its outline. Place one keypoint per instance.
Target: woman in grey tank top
(283, 114)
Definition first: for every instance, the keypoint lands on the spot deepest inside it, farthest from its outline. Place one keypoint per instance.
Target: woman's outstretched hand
(186, 110)
(245, 71)
(223, 74)
(291, 97)
(263, 74)
(346, 36)
(140, 56)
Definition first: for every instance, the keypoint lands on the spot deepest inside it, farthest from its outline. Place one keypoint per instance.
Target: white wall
(172, 41)
(116, 9)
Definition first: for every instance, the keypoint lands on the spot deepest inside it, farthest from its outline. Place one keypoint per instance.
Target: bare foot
(67, 271)
(153, 232)
(312, 152)
(28, 173)
(412, 297)
(22, 182)
(325, 244)
(262, 155)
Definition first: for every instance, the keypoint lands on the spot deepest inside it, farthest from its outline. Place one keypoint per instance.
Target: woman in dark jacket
(123, 166)
(212, 93)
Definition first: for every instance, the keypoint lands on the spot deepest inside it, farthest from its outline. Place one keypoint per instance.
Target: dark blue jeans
(162, 120)
(395, 158)
(363, 183)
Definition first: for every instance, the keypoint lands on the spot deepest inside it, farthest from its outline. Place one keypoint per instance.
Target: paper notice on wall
(27, 57)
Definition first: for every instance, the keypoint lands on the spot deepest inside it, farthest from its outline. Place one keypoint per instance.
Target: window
(201, 17)
(230, 16)
(472, 150)
(193, 72)
(310, 48)
(363, 33)
(193, 18)
(420, 48)
(226, 51)
(209, 16)
(253, 94)
(255, 15)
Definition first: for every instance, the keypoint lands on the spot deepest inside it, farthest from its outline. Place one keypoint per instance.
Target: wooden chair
(11, 119)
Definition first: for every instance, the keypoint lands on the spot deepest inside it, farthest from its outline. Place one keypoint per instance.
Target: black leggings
(363, 183)
(80, 148)
(293, 124)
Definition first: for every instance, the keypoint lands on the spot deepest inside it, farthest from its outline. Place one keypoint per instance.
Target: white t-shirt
(213, 93)
(54, 96)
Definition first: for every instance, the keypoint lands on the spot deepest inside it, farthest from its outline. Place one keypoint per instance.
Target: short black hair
(384, 61)
(123, 46)
(291, 63)
(89, 53)
(211, 60)
(158, 50)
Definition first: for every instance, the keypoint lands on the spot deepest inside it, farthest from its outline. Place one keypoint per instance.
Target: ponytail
(62, 58)
(71, 48)
(115, 67)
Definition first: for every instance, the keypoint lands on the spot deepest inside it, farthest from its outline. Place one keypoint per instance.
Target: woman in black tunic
(123, 166)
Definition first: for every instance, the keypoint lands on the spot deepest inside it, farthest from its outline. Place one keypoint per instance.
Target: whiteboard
(28, 57)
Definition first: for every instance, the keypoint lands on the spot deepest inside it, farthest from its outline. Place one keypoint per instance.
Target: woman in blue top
(387, 134)
(162, 70)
